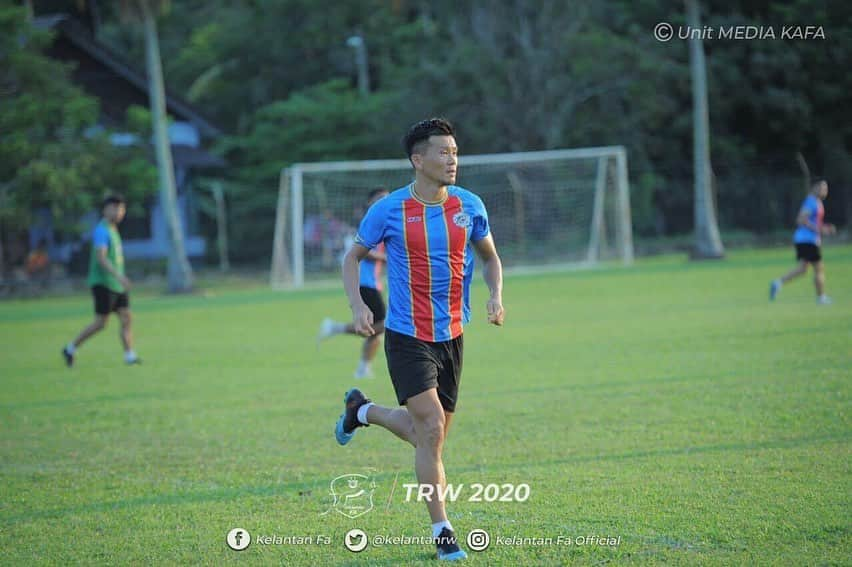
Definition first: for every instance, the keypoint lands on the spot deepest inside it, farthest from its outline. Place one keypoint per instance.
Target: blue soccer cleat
(345, 428)
(448, 546)
(68, 356)
(773, 289)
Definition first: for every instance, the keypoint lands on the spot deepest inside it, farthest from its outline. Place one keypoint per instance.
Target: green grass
(669, 404)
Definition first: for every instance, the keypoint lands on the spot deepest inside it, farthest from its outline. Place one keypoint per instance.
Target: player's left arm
(493, 274)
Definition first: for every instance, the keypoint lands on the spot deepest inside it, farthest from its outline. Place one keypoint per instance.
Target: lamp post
(357, 43)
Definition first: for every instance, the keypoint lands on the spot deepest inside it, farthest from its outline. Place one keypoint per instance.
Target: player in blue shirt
(431, 229)
(370, 282)
(807, 239)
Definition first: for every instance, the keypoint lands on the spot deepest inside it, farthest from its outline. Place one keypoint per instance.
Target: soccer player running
(807, 238)
(370, 286)
(429, 228)
(109, 284)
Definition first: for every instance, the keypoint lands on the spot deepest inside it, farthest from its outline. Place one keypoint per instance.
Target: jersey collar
(417, 197)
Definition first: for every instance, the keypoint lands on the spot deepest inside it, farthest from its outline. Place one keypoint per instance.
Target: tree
(50, 154)
(534, 74)
(328, 121)
(708, 243)
(180, 276)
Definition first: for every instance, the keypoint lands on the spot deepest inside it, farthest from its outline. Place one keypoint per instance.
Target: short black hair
(113, 199)
(376, 191)
(421, 132)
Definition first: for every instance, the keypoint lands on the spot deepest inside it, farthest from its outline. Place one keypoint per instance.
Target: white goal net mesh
(554, 207)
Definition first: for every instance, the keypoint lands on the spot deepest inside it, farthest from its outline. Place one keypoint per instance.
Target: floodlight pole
(357, 43)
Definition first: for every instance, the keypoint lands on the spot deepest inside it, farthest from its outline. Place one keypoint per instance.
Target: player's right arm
(362, 317)
(103, 260)
(370, 234)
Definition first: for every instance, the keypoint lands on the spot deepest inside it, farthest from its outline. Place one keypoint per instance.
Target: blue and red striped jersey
(429, 259)
(371, 271)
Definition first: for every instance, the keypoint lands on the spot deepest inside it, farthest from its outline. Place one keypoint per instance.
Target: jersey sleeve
(480, 228)
(372, 229)
(100, 237)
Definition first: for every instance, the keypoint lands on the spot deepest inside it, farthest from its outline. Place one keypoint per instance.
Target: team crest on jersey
(461, 220)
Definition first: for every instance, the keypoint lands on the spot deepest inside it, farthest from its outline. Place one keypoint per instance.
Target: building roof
(196, 158)
(81, 38)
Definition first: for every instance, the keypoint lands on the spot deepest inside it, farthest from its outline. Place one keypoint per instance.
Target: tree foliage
(50, 154)
(522, 75)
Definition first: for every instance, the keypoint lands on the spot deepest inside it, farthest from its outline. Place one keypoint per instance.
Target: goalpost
(548, 207)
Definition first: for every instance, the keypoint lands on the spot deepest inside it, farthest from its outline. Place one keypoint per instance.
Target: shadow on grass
(230, 494)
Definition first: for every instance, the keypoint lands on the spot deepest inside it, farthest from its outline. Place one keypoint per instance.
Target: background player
(807, 239)
(109, 284)
(370, 281)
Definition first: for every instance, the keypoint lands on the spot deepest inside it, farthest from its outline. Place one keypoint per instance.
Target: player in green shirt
(109, 284)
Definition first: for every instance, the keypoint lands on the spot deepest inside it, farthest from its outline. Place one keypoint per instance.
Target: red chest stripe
(457, 243)
(419, 270)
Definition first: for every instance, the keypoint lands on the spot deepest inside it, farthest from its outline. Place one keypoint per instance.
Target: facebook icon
(238, 539)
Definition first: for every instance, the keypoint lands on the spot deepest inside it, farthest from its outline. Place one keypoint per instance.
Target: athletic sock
(362, 413)
(437, 527)
(70, 348)
(779, 283)
(129, 356)
(338, 328)
(363, 368)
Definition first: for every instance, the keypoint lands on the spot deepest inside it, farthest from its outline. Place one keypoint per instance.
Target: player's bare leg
(125, 332)
(424, 425)
(368, 350)
(126, 335)
(428, 418)
(94, 327)
(396, 420)
(371, 343)
(448, 418)
(819, 283)
(819, 278)
(775, 285)
(800, 269)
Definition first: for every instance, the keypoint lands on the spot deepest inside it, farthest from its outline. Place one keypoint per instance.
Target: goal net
(544, 208)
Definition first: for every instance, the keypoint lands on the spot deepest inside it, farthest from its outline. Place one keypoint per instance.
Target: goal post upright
(625, 226)
(280, 274)
(296, 224)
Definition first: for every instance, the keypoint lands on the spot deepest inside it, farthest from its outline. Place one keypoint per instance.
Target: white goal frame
(288, 267)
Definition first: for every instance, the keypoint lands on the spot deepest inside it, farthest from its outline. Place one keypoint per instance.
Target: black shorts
(808, 252)
(373, 299)
(107, 300)
(416, 366)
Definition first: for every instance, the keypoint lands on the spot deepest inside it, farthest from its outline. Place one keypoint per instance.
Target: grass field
(669, 404)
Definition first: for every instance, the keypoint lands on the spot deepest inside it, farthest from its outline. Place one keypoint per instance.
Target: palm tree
(708, 243)
(180, 275)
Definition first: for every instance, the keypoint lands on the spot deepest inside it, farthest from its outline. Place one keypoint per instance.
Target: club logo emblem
(461, 220)
(353, 495)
